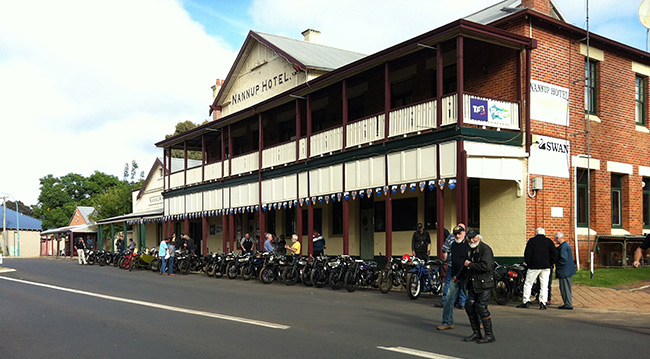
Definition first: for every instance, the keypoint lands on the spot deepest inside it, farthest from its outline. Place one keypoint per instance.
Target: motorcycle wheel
(101, 261)
(212, 269)
(184, 266)
(155, 265)
(267, 275)
(246, 273)
(318, 278)
(116, 262)
(126, 263)
(336, 280)
(413, 285)
(218, 271)
(386, 281)
(91, 259)
(305, 277)
(501, 292)
(290, 276)
(231, 270)
(350, 282)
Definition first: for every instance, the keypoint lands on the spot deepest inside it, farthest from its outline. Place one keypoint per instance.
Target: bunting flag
(386, 190)
(295, 203)
(327, 199)
(339, 195)
(313, 200)
(452, 183)
(264, 207)
(320, 199)
(284, 204)
(422, 185)
(301, 202)
(378, 191)
(412, 187)
(354, 195)
(369, 192)
(402, 188)
(393, 189)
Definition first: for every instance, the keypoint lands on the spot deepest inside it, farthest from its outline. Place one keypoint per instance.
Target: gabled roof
(504, 8)
(303, 55)
(26, 222)
(85, 213)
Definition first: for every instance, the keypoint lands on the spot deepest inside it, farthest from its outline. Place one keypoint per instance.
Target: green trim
(449, 133)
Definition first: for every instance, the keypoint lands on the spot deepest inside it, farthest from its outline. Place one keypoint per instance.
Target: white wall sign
(550, 156)
(557, 211)
(549, 103)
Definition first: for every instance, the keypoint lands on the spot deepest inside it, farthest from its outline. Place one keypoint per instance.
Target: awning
(135, 216)
(82, 228)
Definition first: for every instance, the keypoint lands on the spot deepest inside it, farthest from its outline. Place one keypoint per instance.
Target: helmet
(406, 258)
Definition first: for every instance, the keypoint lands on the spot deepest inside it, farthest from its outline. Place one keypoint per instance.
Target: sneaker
(565, 307)
(445, 327)
(523, 305)
(542, 306)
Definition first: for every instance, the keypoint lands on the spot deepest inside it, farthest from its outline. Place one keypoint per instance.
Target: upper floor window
(590, 87)
(639, 113)
(582, 214)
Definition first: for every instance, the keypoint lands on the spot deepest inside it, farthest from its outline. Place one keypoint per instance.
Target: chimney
(542, 6)
(311, 35)
(216, 88)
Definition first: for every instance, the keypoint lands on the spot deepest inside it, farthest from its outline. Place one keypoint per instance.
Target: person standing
(119, 244)
(318, 244)
(458, 254)
(565, 269)
(268, 244)
(540, 255)
(420, 242)
(80, 246)
(480, 281)
(162, 253)
(246, 244)
(639, 251)
(295, 245)
(446, 256)
(171, 250)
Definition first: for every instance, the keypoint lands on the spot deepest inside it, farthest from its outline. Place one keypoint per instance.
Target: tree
(183, 127)
(132, 171)
(22, 208)
(115, 201)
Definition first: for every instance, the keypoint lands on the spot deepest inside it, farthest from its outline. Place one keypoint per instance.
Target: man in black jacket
(480, 272)
(540, 255)
(420, 242)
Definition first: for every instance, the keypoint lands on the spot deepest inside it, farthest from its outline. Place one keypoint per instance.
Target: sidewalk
(626, 300)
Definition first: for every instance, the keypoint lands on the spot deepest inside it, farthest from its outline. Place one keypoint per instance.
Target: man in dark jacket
(565, 269)
(540, 255)
(420, 242)
(480, 273)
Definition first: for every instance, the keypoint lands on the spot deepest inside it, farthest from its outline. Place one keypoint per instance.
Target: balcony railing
(213, 171)
(245, 163)
(194, 175)
(365, 131)
(326, 141)
(481, 111)
(177, 179)
(302, 146)
(279, 155)
(414, 118)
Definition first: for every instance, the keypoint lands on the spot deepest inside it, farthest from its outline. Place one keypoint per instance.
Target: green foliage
(22, 208)
(115, 201)
(612, 277)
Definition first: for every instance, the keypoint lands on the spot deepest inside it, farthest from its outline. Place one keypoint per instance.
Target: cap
(458, 229)
(419, 225)
(471, 233)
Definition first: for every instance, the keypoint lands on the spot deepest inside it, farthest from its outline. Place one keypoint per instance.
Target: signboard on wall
(549, 156)
(549, 103)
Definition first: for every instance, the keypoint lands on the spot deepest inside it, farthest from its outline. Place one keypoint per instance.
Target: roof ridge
(307, 42)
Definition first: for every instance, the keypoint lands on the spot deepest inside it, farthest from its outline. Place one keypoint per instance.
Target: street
(106, 312)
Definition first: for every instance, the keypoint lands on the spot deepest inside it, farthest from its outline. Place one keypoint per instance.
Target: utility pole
(4, 224)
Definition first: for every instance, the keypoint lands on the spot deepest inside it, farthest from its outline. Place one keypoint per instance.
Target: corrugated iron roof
(503, 9)
(86, 212)
(312, 55)
(26, 222)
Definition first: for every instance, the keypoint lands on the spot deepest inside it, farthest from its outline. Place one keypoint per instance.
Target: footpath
(613, 299)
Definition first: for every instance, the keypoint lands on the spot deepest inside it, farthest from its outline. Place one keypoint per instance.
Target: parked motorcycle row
(338, 271)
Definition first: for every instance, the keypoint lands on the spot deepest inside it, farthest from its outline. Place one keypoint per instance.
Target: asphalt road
(112, 313)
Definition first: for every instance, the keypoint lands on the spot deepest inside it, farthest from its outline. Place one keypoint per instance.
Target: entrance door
(196, 233)
(367, 233)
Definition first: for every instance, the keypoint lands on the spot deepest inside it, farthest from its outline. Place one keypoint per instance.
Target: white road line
(7, 270)
(418, 353)
(156, 305)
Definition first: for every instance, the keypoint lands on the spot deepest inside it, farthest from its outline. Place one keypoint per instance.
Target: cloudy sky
(89, 85)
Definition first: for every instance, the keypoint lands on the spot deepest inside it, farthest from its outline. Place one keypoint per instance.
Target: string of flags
(327, 199)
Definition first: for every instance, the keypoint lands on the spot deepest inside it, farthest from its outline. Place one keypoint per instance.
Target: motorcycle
(142, 260)
(509, 282)
(254, 265)
(425, 277)
(338, 268)
(305, 266)
(394, 275)
(362, 274)
(291, 272)
(320, 271)
(232, 265)
(272, 268)
(91, 256)
(102, 257)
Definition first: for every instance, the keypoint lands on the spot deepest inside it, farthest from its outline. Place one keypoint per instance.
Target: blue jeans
(163, 265)
(170, 265)
(463, 294)
(454, 290)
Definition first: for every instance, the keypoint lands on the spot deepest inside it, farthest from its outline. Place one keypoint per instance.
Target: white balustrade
(194, 175)
(245, 163)
(413, 119)
(326, 141)
(365, 131)
(213, 171)
(499, 114)
(449, 110)
(177, 179)
(302, 146)
(279, 155)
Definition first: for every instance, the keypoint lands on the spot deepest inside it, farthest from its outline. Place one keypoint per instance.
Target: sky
(89, 85)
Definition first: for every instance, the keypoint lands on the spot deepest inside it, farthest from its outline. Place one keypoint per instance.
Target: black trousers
(476, 305)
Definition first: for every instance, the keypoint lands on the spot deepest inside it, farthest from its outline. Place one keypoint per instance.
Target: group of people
(80, 246)
(275, 244)
(167, 251)
(469, 278)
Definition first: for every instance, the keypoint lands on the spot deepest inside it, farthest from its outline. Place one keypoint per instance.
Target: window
(318, 221)
(290, 221)
(337, 217)
(617, 212)
(639, 114)
(430, 212)
(474, 203)
(590, 87)
(646, 202)
(582, 213)
(405, 215)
